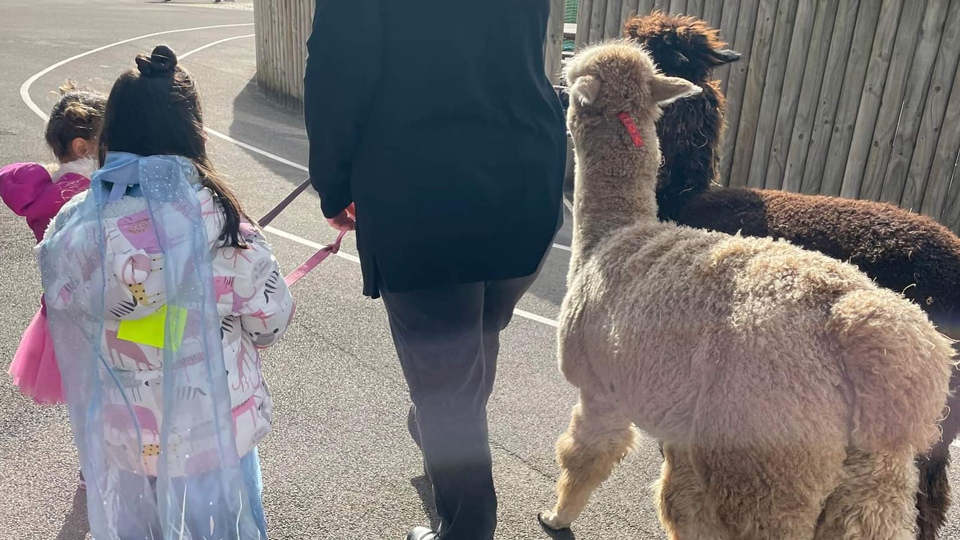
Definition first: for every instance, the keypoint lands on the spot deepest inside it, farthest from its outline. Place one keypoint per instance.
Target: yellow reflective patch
(152, 329)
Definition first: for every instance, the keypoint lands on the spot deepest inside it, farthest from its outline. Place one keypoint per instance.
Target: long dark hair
(155, 110)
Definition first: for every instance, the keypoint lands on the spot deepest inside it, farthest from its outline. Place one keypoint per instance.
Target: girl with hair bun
(161, 294)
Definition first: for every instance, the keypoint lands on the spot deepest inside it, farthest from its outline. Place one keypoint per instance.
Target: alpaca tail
(897, 369)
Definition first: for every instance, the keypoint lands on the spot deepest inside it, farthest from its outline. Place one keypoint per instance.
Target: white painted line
(256, 150)
(208, 45)
(25, 95)
(25, 87)
(309, 243)
(535, 317)
(354, 258)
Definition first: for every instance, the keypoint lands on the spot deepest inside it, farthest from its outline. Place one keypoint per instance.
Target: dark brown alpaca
(685, 47)
(902, 251)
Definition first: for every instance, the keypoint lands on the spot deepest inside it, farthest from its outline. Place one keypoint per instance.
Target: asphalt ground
(339, 462)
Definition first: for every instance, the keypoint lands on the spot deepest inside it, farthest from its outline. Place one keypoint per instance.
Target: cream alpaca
(790, 392)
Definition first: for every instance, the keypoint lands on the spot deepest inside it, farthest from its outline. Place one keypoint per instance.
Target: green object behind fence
(570, 18)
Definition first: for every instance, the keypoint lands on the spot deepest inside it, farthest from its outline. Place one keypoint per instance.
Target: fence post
(553, 47)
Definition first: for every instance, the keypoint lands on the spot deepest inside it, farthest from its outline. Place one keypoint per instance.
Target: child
(37, 193)
(160, 293)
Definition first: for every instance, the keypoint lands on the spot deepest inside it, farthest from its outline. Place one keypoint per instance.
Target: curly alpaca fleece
(785, 384)
(901, 251)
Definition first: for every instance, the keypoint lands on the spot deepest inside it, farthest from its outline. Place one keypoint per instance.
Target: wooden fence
(857, 98)
(282, 28)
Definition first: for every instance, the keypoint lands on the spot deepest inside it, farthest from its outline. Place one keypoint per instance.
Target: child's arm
(256, 292)
(30, 192)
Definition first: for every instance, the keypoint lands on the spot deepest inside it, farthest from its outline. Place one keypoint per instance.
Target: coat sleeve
(249, 285)
(342, 73)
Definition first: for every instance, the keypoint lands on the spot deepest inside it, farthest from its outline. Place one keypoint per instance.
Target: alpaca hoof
(552, 521)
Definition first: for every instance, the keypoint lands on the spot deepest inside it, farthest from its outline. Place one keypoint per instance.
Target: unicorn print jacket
(254, 304)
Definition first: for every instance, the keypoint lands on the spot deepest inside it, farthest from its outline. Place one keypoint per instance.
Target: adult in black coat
(436, 120)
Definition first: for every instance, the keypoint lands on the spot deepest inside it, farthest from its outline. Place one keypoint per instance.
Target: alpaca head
(618, 77)
(681, 46)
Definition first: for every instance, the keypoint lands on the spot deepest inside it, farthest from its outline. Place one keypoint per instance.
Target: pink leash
(317, 257)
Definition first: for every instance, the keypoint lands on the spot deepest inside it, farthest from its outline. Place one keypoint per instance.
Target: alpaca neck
(615, 184)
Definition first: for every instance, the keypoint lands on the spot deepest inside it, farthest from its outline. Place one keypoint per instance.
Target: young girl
(37, 193)
(160, 293)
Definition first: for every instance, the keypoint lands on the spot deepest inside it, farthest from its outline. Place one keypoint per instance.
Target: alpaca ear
(725, 56)
(666, 90)
(585, 89)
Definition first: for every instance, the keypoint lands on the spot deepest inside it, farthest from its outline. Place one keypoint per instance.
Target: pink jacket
(32, 192)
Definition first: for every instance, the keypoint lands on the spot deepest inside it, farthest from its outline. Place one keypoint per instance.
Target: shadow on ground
(75, 526)
(425, 492)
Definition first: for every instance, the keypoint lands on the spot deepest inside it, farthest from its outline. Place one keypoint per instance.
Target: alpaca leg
(933, 495)
(875, 499)
(598, 438)
(681, 499)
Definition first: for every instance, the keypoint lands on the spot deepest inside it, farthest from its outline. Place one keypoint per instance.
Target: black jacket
(436, 118)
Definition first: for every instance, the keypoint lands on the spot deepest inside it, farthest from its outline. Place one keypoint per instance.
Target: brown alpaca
(901, 251)
(689, 129)
(791, 392)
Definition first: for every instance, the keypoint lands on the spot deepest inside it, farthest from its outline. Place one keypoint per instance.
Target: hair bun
(161, 62)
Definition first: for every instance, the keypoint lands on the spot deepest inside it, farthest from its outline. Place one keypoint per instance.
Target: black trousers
(447, 340)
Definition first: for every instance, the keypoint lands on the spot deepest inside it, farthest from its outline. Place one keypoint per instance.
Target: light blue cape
(124, 503)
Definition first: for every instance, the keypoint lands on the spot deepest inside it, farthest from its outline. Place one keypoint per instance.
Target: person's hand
(345, 220)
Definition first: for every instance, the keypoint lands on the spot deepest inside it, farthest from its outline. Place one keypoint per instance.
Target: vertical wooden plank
(661, 5)
(755, 166)
(644, 7)
(713, 12)
(944, 166)
(598, 20)
(695, 8)
(553, 44)
(728, 32)
(869, 106)
(934, 186)
(736, 84)
(951, 216)
(678, 6)
(627, 11)
(737, 168)
(584, 13)
(850, 96)
(829, 96)
(614, 25)
(774, 159)
(813, 74)
(280, 21)
(892, 102)
(895, 186)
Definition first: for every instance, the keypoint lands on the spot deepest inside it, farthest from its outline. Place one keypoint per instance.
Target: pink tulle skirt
(34, 367)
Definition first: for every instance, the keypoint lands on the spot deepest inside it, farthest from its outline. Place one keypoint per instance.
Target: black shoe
(413, 427)
(423, 533)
